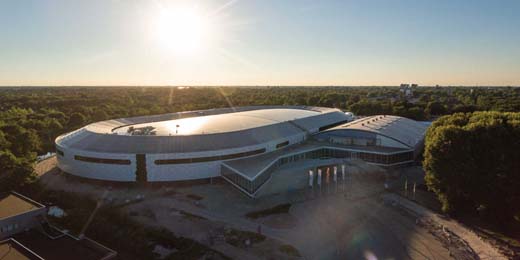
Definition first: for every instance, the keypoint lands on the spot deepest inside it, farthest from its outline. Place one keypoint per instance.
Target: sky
(259, 42)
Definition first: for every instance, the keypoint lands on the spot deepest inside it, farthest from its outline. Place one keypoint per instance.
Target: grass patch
(289, 250)
(278, 209)
(238, 237)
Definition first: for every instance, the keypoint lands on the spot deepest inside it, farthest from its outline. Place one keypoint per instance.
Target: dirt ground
(338, 221)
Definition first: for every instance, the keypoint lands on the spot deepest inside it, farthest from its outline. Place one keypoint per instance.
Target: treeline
(472, 163)
(31, 118)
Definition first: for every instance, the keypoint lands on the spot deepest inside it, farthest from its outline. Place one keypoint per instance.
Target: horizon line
(244, 86)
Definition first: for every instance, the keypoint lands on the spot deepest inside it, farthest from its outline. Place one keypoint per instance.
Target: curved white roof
(205, 130)
(221, 123)
(404, 130)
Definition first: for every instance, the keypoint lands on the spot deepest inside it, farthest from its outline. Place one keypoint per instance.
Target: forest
(32, 117)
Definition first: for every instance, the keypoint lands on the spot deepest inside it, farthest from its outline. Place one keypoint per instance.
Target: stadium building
(244, 145)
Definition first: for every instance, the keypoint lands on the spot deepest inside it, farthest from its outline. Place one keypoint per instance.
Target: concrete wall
(15, 224)
(101, 171)
(156, 173)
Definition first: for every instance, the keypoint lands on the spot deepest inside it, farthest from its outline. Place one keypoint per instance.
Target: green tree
(15, 172)
(472, 163)
(435, 108)
(4, 144)
(77, 120)
(99, 115)
(22, 142)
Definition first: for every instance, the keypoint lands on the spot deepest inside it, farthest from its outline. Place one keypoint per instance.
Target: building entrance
(329, 177)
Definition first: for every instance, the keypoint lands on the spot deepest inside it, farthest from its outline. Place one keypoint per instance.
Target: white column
(327, 176)
(319, 177)
(335, 174)
(311, 178)
(343, 171)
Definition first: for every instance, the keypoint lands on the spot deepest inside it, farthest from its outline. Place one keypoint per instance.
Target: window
(210, 158)
(101, 160)
(332, 125)
(280, 145)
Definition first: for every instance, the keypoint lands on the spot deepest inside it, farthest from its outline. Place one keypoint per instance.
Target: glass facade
(210, 158)
(349, 137)
(320, 153)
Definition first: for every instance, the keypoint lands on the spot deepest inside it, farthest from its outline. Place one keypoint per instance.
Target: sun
(182, 30)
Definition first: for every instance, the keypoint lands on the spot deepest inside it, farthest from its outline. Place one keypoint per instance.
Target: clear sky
(259, 42)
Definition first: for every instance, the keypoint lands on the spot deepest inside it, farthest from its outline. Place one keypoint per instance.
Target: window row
(9, 228)
(250, 186)
(280, 145)
(210, 158)
(323, 128)
(101, 160)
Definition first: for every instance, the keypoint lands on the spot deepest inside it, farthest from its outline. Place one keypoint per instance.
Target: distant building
(407, 89)
(243, 145)
(26, 234)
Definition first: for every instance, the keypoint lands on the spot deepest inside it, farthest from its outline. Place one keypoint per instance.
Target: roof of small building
(10, 249)
(12, 204)
(63, 247)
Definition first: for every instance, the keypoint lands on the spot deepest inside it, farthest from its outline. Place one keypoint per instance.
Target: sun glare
(187, 126)
(182, 30)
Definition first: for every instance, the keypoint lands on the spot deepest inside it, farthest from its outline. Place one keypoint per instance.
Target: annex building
(25, 233)
(244, 145)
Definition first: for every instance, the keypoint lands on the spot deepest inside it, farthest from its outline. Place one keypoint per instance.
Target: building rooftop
(404, 130)
(198, 131)
(220, 123)
(64, 247)
(12, 204)
(11, 249)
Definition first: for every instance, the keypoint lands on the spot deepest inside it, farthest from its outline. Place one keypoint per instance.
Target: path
(483, 249)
